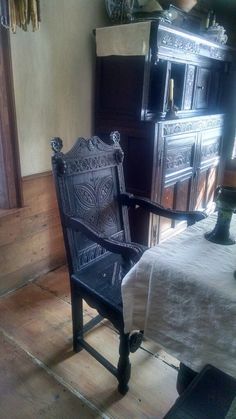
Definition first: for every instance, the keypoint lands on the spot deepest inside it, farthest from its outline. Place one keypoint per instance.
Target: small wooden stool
(209, 396)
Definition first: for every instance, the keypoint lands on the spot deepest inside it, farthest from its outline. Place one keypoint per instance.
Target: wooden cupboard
(175, 162)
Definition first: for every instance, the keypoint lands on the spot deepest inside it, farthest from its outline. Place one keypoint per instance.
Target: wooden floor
(40, 376)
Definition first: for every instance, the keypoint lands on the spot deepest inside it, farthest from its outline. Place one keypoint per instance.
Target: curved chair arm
(127, 250)
(190, 216)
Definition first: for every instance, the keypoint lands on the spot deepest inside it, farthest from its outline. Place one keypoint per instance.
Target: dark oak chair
(93, 208)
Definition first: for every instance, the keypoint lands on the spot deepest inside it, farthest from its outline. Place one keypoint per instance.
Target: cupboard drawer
(202, 88)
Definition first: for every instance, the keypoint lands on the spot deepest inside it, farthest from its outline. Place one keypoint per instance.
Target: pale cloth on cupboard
(182, 293)
(128, 39)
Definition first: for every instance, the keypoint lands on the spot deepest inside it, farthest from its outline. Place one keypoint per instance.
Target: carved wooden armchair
(93, 208)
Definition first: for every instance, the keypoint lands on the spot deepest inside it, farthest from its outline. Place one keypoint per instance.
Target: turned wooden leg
(124, 366)
(77, 319)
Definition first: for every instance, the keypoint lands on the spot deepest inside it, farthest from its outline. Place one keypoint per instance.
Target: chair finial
(115, 137)
(56, 144)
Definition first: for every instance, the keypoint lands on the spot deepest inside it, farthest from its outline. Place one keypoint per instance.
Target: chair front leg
(124, 366)
(77, 318)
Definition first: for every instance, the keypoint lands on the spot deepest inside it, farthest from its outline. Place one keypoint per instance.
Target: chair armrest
(190, 216)
(125, 249)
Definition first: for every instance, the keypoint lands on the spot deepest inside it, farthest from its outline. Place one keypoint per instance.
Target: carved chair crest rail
(93, 207)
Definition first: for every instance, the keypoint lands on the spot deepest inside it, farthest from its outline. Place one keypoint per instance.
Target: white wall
(53, 71)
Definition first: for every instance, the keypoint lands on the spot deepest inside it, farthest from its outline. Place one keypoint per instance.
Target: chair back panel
(89, 179)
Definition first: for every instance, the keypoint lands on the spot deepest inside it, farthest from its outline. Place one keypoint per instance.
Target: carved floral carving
(180, 43)
(94, 203)
(178, 161)
(217, 53)
(92, 144)
(210, 150)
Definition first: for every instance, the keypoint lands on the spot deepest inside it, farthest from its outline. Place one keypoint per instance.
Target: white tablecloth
(182, 293)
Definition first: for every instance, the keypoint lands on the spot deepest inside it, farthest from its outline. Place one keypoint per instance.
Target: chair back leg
(77, 319)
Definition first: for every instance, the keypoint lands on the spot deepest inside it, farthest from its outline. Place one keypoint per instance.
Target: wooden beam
(10, 178)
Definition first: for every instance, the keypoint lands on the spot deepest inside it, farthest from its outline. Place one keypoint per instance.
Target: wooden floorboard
(27, 391)
(37, 318)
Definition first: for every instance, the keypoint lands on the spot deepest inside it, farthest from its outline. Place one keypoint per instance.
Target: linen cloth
(128, 39)
(182, 293)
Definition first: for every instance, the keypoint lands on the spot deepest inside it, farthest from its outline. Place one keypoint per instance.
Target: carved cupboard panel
(177, 174)
(172, 162)
(189, 87)
(188, 168)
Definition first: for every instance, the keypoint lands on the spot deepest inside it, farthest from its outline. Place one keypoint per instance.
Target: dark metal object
(208, 396)
(93, 208)
(226, 204)
(172, 112)
(135, 341)
(184, 378)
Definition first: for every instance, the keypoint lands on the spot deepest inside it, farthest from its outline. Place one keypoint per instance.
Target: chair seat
(209, 396)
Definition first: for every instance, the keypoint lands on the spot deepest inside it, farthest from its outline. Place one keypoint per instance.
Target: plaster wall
(53, 72)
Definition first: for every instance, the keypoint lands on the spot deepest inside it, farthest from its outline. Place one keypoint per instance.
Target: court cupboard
(166, 90)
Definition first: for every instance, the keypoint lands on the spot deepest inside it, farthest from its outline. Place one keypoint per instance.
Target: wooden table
(182, 293)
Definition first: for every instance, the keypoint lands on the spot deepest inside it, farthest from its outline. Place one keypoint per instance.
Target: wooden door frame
(10, 175)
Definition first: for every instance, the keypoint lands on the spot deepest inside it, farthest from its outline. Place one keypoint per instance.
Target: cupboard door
(202, 88)
(119, 87)
(207, 168)
(157, 98)
(179, 155)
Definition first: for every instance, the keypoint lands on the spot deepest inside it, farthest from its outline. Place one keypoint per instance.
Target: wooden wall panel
(10, 184)
(31, 240)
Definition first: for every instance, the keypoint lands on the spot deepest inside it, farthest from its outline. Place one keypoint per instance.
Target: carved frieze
(94, 251)
(87, 154)
(174, 41)
(89, 255)
(84, 164)
(181, 126)
(184, 43)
